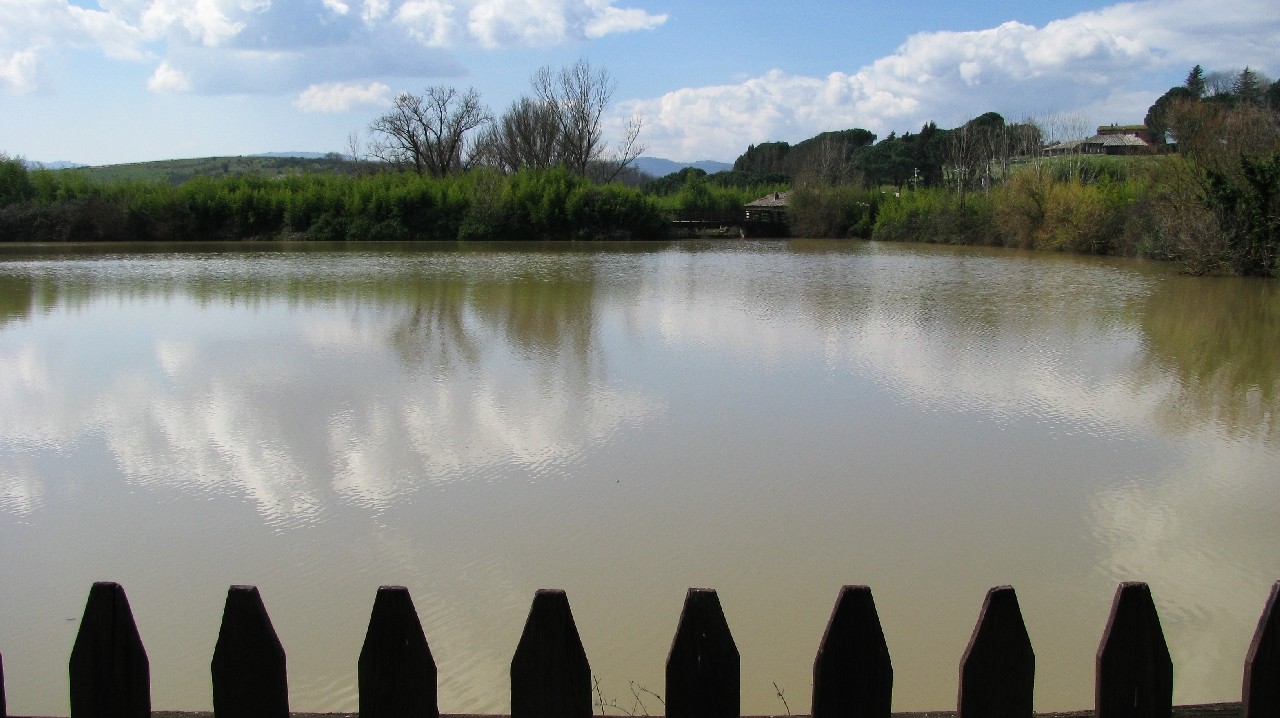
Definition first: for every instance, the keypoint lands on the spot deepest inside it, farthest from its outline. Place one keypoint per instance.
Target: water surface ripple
(770, 419)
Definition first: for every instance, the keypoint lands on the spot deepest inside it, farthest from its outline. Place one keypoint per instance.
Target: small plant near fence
(551, 678)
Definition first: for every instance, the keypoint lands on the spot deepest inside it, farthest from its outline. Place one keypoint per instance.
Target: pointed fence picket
(1135, 673)
(1261, 694)
(998, 670)
(852, 673)
(110, 676)
(550, 675)
(396, 673)
(703, 665)
(248, 666)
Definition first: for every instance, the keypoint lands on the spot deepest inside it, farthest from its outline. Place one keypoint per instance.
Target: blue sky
(109, 81)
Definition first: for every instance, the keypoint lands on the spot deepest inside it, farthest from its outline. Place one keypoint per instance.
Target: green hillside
(175, 172)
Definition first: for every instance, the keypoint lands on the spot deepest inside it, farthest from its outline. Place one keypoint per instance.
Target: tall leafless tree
(525, 137)
(577, 97)
(830, 162)
(962, 158)
(428, 132)
(612, 166)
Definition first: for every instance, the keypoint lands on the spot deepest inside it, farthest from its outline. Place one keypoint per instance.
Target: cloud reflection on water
(1128, 359)
(382, 396)
(468, 385)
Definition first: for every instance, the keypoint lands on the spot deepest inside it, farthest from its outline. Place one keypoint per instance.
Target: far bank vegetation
(1205, 192)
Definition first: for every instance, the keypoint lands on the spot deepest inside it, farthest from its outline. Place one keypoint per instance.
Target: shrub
(937, 216)
(842, 211)
(15, 181)
(612, 212)
(329, 227)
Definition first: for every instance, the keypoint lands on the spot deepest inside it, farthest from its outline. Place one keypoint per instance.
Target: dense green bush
(1062, 212)
(936, 216)
(612, 212)
(1211, 212)
(1087, 169)
(703, 193)
(693, 194)
(554, 204)
(15, 181)
(821, 211)
(1084, 205)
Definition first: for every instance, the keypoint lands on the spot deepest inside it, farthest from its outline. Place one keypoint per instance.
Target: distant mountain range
(658, 167)
(57, 165)
(303, 155)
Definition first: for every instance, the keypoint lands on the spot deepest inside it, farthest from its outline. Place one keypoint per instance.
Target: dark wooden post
(852, 674)
(1135, 673)
(248, 661)
(109, 673)
(396, 671)
(703, 668)
(1261, 696)
(550, 676)
(998, 670)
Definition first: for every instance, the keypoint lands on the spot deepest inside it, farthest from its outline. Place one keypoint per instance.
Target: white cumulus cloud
(1108, 60)
(168, 79)
(18, 71)
(535, 23)
(33, 30)
(518, 22)
(337, 97)
(211, 22)
(374, 10)
(256, 46)
(111, 34)
(430, 21)
(609, 20)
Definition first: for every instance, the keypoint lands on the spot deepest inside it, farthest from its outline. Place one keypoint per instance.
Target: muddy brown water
(769, 419)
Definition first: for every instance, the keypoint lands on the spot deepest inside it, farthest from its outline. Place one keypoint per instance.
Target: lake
(625, 421)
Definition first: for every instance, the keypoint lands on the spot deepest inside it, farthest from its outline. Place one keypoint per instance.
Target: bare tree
(1220, 82)
(525, 137)
(1064, 127)
(355, 149)
(428, 132)
(577, 96)
(830, 161)
(610, 167)
(397, 140)
(1026, 138)
(961, 158)
(1060, 127)
(1003, 144)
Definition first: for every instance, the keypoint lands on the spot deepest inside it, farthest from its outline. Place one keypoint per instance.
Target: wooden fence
(550, 676)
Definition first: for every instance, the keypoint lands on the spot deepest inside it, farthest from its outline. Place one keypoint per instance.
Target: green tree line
(66, 206)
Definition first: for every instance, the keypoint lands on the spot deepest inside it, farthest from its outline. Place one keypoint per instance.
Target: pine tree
(1195, 81)
(1248, 88)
